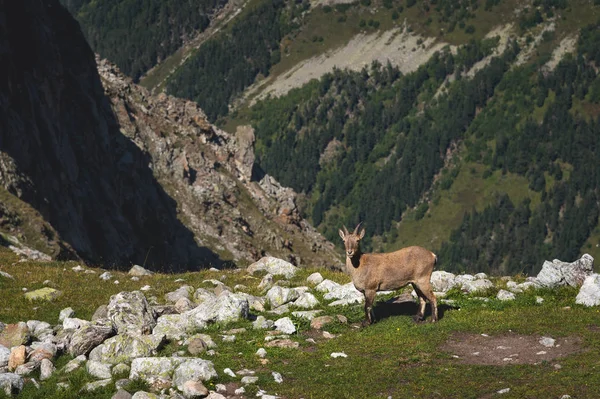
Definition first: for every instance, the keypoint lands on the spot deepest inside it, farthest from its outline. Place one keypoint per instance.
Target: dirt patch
(506, 349)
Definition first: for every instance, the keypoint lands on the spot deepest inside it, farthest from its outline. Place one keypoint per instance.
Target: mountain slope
(106, 173)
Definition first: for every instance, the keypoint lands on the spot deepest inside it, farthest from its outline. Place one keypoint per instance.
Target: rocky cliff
(117, 176)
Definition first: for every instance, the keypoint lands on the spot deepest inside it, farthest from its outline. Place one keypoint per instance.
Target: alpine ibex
(390, 271)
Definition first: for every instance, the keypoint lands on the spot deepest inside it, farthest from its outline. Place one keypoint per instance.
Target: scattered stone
(4, 356)
(285, 325)
(183, 305)
(15, 335)
(282, 343)
(194, 389)
(273, 266)
(261, 352)
(18, 355)
(229, 372)
(475, 285)
(249, 380)
(261, 323)
(589, 294)
(194, 370)
(503, 391)
(326, 286)
(215, 395)
(185, 291)
(197, 346)
(306, 301)
(121, 369)
(547, 342)
(240, 391)
(121, 394)
(277, 377)
(98, 370)
(504, 295)
(228, 338)
(328, 335)
(266, 282)
(77, 268)
(314, 278)
(92, 386)
(338, 354)
(319, 322)
(139, 271)
(106, 276)
(11, 383)
(43, 294)
(65, 313)
(130, 312)
(6, 275)
(278, 296)
(306, 314)
(539, 300)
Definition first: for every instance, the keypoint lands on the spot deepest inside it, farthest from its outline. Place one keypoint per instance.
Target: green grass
(394, 357)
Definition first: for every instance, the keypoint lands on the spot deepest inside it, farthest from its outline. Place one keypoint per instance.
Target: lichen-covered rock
(15, 335)
(193, 370)
(150, 368)
(184, 291)
(306, 301)
(558, 273)
(476, 285)
(40, 330)
(442, 281)
(275, 266)
(589, 293)
(175, 326)
(74, 364)
(92, 386)
(227, 307)
(326, 286)
(266, 282)
(139, 271)
(11, 383)
(46, 369)
(123, 348)
(131, 313)
(345, 292)
(88, 337)
(278, 296)
(98, 370)
(43, 294)
(4, 356)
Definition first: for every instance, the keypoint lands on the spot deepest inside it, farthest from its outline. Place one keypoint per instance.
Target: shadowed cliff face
(125, 177)
(62, 152)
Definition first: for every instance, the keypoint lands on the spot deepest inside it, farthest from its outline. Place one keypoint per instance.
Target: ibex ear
(342, 234)
(362, 233)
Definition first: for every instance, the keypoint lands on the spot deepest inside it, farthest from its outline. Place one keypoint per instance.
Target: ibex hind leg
(427, 292)
(420, 316)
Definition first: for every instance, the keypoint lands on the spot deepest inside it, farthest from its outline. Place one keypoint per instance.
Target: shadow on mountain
(61, 150)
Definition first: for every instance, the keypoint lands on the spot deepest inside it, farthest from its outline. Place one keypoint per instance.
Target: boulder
(558, 273)
(266, 282)
(88, 337)
(278, 296)
(261, 323)
(275, 266)
(285, 325)
(194, 389)
(40, 330)
(345, 292)
(227, 307)
(11, 383)
(175, 326)
(184, 291)
(18, 356)
(471, 286)
(504, 295)
(306, 314)
(123, 348)
(46, 369)
(314, 279)
(589, 293)
(131, 313)
(98, 370)
(306, 301)
(326, 286)
(4, 356)
(139, 271)
(15, 335)
(150, 368)
(442, 281)
(193, 370)
(43, 294)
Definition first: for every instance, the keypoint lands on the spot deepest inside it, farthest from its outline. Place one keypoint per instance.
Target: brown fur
(390, 271)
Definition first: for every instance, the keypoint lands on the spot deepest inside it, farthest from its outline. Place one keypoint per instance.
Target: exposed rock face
(123, 177)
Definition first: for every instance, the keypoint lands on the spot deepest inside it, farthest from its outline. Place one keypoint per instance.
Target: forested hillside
(381, 147)
(137, 34)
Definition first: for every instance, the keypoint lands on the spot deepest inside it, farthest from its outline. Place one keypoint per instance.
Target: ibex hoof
(417, 318)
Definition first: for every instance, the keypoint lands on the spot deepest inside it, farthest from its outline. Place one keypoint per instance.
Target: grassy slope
(395, 357)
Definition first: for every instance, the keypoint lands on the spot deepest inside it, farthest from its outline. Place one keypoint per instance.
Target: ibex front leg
(369, 312)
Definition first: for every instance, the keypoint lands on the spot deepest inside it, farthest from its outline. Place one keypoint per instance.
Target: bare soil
(506, 349)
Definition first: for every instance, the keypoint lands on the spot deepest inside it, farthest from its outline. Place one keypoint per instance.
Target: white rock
(266, 282)
(73, 323)
(145, 288)
(326, 286)
(46, 369)
(338, 354)
(249, 379)
(92, 386)
(558, 273)
(139, 271)
(476, 285)
(240, 391)
(65, 313)
(106, 276)
(346, 292)
(539, 300)
(306, 301)
(503, 391)
(147, 368)
(130, 312)
(273, 266)
(277, 377)
(4, 356)
(442, 281)
(504, 295)
(261, 323)
(285, 325)
(98, 370)
(306, 314)
(278, 296)
(194, 370)
(77, 268)
(229, 372)
(74, 364)
(589, 293)
(184, 291)
(227, 307)
(480, 276)
(261, 352)
(314, 278)
(547, 342)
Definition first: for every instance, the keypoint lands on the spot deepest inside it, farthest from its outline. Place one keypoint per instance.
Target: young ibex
(389, 271)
